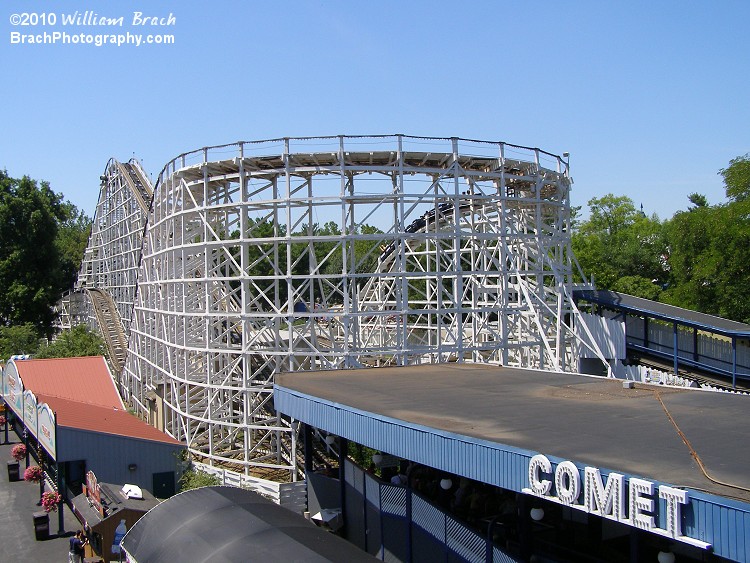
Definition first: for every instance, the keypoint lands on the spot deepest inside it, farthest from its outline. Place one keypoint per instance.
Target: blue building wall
(109, 456)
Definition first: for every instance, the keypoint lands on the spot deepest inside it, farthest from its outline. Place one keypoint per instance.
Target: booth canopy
(113, 503)
(228, 524)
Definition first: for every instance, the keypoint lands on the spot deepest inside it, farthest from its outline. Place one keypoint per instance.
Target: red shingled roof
(105, 420)
(86, 380)
(83, 396)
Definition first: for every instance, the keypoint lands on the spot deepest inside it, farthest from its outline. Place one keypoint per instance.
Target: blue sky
(650, 98)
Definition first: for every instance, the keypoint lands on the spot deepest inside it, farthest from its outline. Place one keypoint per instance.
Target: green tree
(699, 200)
(737, 178)
(618, 241)
(42, 240)
(30, 263)
(638, 286)
(709, 258)
(72, 238)
(19, 339)
(76, 342)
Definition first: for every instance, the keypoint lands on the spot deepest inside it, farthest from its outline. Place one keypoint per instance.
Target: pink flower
(33, 473)
(18, 452)
(50, 500)
(3, 420)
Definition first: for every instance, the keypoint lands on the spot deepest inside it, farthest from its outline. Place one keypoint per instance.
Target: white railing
(714, 351)
(289, 495)
(646, 374)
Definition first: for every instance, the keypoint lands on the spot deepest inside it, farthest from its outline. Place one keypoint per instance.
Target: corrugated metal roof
(85, 380)
(105, 420)
(232, 524)
(83, 396)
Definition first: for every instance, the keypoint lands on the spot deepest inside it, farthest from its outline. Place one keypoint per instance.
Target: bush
(193, 479)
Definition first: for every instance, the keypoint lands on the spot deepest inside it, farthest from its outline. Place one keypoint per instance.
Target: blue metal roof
(662, 311)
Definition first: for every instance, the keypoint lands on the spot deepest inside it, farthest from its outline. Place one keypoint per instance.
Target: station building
(566, 467)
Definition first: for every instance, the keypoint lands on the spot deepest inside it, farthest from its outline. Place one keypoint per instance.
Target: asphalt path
(18, 502)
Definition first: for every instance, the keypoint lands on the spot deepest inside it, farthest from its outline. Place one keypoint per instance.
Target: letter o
(567, 489)
(539, 486)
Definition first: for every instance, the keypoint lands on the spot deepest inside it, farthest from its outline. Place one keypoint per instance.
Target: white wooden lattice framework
(110, 262)
(107, 281)
(340, 252)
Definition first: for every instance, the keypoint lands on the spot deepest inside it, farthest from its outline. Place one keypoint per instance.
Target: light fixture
(330, 439)
(132, 467)
(377, 458)
(446, 484)
(665, 557)
(537, 514)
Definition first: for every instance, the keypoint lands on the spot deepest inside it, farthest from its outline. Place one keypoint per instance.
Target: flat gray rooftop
(589, 420)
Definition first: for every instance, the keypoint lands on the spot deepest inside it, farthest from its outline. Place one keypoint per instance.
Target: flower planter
(41, 525)
(13, 471)
(50, 500)
(33, 473)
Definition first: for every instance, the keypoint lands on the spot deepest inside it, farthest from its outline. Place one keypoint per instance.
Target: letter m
(609, 501)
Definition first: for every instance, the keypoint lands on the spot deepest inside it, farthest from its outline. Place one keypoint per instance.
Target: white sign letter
(539, 486)
(674, 498)
(608, 502)
(640, 504)
(568, 491)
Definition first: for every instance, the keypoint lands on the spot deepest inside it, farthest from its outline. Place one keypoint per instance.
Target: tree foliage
(193, 479)
(699, 259)
(72, 238)
(40, 250)
(710, 260)
(29, 258)
(737, 178)
(19, 339)
(327, 256)
(699, 200)
(616, 242)
(74, 343)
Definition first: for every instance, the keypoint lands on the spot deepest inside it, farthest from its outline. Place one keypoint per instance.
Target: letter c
(539, 486)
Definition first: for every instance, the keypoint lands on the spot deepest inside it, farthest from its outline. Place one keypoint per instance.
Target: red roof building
(82, 394)
(93, 429)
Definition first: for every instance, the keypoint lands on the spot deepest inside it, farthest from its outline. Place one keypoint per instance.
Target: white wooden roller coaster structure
(256, 258)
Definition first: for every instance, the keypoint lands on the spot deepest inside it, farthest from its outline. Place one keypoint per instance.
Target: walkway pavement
(18, 501)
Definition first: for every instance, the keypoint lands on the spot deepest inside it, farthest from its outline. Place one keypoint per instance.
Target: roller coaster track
(110, 326)
(139, 185)
(107, 281)
(701, 377)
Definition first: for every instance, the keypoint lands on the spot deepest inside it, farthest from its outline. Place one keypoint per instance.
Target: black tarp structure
(229, 524)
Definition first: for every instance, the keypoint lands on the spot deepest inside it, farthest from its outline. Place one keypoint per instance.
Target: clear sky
(650, 98)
